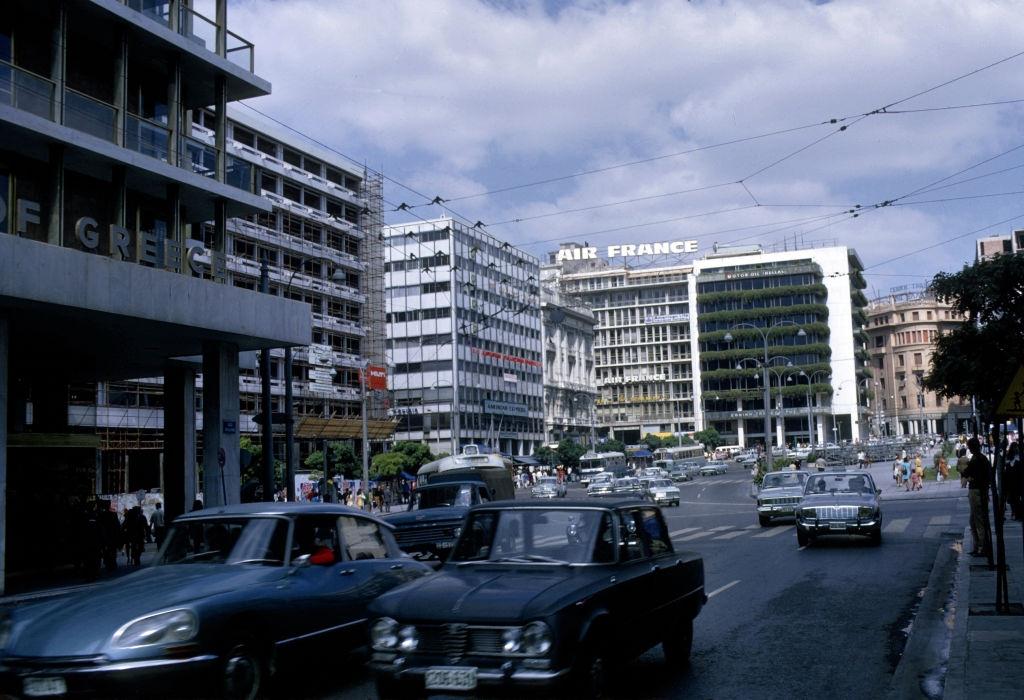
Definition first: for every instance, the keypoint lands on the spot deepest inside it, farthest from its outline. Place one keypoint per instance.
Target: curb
(924, 665)
(957, 665)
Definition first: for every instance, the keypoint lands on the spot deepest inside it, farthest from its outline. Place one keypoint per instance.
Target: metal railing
(89, 115)
(27, 91)
(199, 29)
(147, 137)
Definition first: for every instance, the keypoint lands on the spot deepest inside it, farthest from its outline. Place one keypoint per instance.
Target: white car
(548, 487)
(748, 458)
(712, 468)
(663, 492)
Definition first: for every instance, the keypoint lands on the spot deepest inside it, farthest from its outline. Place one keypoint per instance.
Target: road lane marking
(752, 527)
(695, 536)
(730, 535)
(773, 532)
(897, 526)
(682, 532)
(941, 520)
(726, 587)
(720, 528)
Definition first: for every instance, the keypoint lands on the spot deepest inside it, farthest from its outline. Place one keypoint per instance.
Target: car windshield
(598, 478)
(547, 481)
(238, 540)
(626, 483)
(533, 535)
(839, 483)
(659, 483)
(442, 496)
(783, 479)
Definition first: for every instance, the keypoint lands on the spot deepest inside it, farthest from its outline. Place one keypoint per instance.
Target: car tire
(678, 646)
(876, 538)
(592, 670)
(802, 539)
(245, 673)
(764, 520)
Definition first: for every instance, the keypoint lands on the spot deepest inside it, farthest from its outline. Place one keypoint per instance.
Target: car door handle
(396, 566)
(655, 567)
(346, 572)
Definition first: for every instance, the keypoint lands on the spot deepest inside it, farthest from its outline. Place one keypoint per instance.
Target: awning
(343, 428)
(407, 476)
(526, 461)
(642, 453)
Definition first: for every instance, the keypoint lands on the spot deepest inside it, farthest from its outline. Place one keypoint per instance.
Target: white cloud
(461, 97)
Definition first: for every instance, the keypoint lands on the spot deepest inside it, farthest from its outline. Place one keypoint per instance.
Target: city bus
(596, 462)
(689, 453)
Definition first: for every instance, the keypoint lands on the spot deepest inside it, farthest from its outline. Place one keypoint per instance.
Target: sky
(728, 122)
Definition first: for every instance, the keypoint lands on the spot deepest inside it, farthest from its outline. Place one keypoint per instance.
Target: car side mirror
(878, 492)
(300, 562)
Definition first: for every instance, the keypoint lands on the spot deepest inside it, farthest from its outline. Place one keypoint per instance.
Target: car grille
(42, 663)
(836, 512)
(424, 535)
(780, 501)
(455, 641)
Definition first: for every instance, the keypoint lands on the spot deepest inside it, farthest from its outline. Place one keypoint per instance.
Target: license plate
(42, 687)
(837, 526)
(455, 678)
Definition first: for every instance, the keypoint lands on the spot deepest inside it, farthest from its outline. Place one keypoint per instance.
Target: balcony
(198, 29)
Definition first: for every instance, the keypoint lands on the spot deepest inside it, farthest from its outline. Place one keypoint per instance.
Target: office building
(902, 329)
(464, 338)
(986, 248)
(570, 396)
(108, 269)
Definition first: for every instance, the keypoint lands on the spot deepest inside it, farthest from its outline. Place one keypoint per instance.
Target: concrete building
(107, 268)
(999, 245)
(644, 349)
(569, 371)
(321, 243)
(464, 338)
(803, 309)
(902, 329)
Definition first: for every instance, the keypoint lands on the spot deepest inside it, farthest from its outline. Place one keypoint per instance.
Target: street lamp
(810, 413)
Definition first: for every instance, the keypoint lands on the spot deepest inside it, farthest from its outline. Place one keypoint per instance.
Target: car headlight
(169, 627)
(384, 633)
(457, 531)
(866, 511)
(536, 639)
(808, 513)
(408, 640)
(511, 639)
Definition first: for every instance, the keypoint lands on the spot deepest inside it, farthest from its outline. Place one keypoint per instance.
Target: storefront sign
(667, 318)
(510, 377)
(506, 407)
(626, 250)
(321, 355)
(632, 379)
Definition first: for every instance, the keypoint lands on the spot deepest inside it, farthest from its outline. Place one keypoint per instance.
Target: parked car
(712, 468)
(839, 503)
(236, 594)
(540, 596)
(779, 494)
(663, 492)
(548, 487)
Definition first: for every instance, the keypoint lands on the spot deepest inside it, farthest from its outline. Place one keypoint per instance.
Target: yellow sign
(1012, 404)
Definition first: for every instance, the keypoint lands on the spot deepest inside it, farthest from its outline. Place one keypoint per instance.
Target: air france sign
(628, 250)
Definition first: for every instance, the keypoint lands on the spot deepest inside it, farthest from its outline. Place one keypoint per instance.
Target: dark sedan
(839, 503)
(535, 595)
(235, 593)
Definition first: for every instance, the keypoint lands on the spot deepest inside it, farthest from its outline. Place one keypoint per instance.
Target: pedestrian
(905, 469)
(917, 477)
(943, 469)
(135, 528)
(110, 533)
(979, 474)
(360, 499)
(156, 523)
(897, 473)
(862, 459)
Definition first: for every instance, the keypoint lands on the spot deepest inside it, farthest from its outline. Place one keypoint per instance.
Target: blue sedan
(235, 594)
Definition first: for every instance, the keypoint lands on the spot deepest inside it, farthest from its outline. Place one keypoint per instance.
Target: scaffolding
(372, 223)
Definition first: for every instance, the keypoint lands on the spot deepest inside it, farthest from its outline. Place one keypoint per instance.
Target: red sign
(376, 378)
(507, 358)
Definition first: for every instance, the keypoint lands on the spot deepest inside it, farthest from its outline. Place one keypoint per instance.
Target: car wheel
(592, 670)
(678, 645)
(245, 673)
(764, 520)
(876, 537)
(801, 538)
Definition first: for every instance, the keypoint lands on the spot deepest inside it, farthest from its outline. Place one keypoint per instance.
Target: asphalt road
(828, 620)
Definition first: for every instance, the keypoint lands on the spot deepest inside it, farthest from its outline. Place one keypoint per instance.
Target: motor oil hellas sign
(627, 250)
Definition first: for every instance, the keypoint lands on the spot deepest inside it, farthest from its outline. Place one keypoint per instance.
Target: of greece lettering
(627, 250)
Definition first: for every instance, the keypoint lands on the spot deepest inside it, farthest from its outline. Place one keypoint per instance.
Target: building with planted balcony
(802, 311)
(115, 253)
(902, 329)
(464, 338)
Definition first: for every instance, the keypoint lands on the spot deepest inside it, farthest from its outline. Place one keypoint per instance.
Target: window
(266, 146)
(268, 182)
(915, 316)
(362, 539)
(653, 533)
(292, 158)
(292, 192)
(879, 341)
(316, 536)
(244, 136)
(880, 361)
(929, 315)
(901, 360)
(918, 359)
(630, 544)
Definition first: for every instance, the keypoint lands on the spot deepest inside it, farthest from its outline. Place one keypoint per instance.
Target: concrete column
(121, 97)
(55, 215)
(222, 27)
(220, 226)
(119, 196)
(174, 109)
(179, 463)
(221, 483)
(58, 61)
(221, 126)
(5, 349)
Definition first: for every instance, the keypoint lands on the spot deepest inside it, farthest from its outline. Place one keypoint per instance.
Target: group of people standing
(910, 475)
(100, 535)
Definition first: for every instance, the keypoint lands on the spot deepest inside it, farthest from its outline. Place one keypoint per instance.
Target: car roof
(563, 504)
(275, 508)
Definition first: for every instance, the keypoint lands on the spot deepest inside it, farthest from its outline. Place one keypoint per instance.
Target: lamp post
(766, 367)
(763, 332)
(810, 412)
(267, 472)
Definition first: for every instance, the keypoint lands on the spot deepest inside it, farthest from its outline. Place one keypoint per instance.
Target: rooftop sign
(626, 250)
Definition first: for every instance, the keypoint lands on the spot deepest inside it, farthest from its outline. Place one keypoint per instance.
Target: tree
(343, 460)
(417, 454)
(545, 455)
(980, 357)
(613, 446)
(388, 464)
(569, 453)
(708, 437)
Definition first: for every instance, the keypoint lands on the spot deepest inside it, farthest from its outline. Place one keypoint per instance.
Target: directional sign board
(1012, 404)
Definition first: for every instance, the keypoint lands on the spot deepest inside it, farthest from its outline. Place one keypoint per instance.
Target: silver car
(628, 486)
(548, 487)
(601, 485)
(839, 503)
(779, 494)
(712, 468)
(663, 492)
